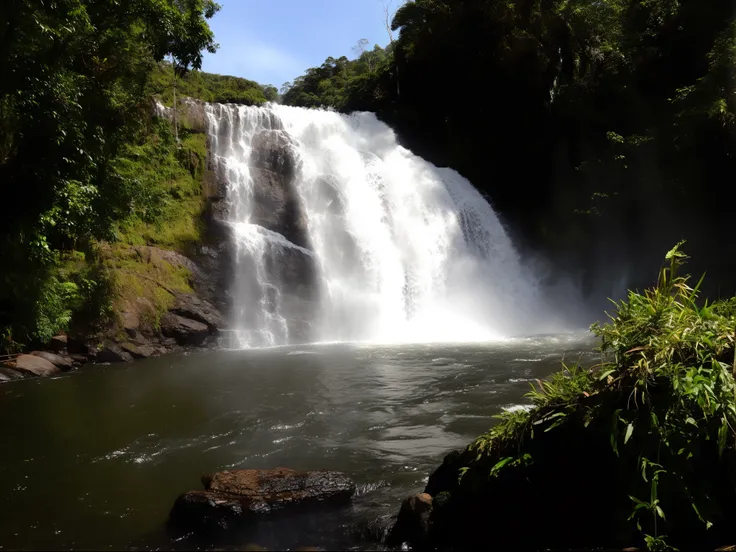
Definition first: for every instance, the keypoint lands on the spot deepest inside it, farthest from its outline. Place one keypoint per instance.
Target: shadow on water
(95, 459)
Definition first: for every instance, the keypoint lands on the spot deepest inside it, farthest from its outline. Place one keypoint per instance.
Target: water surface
(95, 459)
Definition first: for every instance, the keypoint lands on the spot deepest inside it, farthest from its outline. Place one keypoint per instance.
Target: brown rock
(131, 322)
(143, 351)
(412, 525)
(184, 330)
(57, 343)
(112, 352)
(10, 374)
(62, 362)
(281, 486)
(168, 343)
(235, 496)
(195, 308)
(32, 364)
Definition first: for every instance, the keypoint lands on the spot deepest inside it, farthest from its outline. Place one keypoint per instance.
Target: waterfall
(341, 234)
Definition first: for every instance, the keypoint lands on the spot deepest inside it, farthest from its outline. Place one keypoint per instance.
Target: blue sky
(273, 41)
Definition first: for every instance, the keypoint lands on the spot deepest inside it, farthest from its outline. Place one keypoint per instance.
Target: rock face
(234, 497)
(184, 330)
(191, 321)
(275, 207)
(273, 167)
(113, 352)
(195, 308)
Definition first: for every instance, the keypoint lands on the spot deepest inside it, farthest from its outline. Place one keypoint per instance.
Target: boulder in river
(112, 352)
(192, 307)
(61, 362)
(32, 365)
(184, 330)
(232, 497)
(10, 374)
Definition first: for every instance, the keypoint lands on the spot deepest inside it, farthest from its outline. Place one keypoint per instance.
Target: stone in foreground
(234, 497)
(32, 365)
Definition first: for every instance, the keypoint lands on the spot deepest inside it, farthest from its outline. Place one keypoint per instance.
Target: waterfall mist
(387, 247)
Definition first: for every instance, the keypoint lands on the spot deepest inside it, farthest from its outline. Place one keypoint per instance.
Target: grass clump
(649, 430)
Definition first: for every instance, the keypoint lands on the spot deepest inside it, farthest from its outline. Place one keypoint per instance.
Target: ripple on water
(518, 407)
(366, 488)
(282, 427)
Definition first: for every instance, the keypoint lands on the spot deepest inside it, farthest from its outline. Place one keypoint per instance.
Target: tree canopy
(342, 83)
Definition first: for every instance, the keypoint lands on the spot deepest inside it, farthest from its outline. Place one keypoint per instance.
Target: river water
(95, 459)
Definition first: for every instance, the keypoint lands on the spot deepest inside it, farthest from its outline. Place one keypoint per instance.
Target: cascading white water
(404, 251)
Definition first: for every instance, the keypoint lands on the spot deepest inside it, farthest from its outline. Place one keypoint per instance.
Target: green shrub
(665, 384)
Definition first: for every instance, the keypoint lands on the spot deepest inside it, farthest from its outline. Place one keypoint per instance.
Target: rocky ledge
(233, 498)
(38, 363)
(191, 322)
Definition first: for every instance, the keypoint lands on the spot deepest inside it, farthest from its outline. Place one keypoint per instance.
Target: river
(95, 459)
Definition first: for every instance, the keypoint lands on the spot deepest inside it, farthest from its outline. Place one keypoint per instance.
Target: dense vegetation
(207, 87)
(603, 131)
(642, 442)
(341, 83)
(88, 175)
